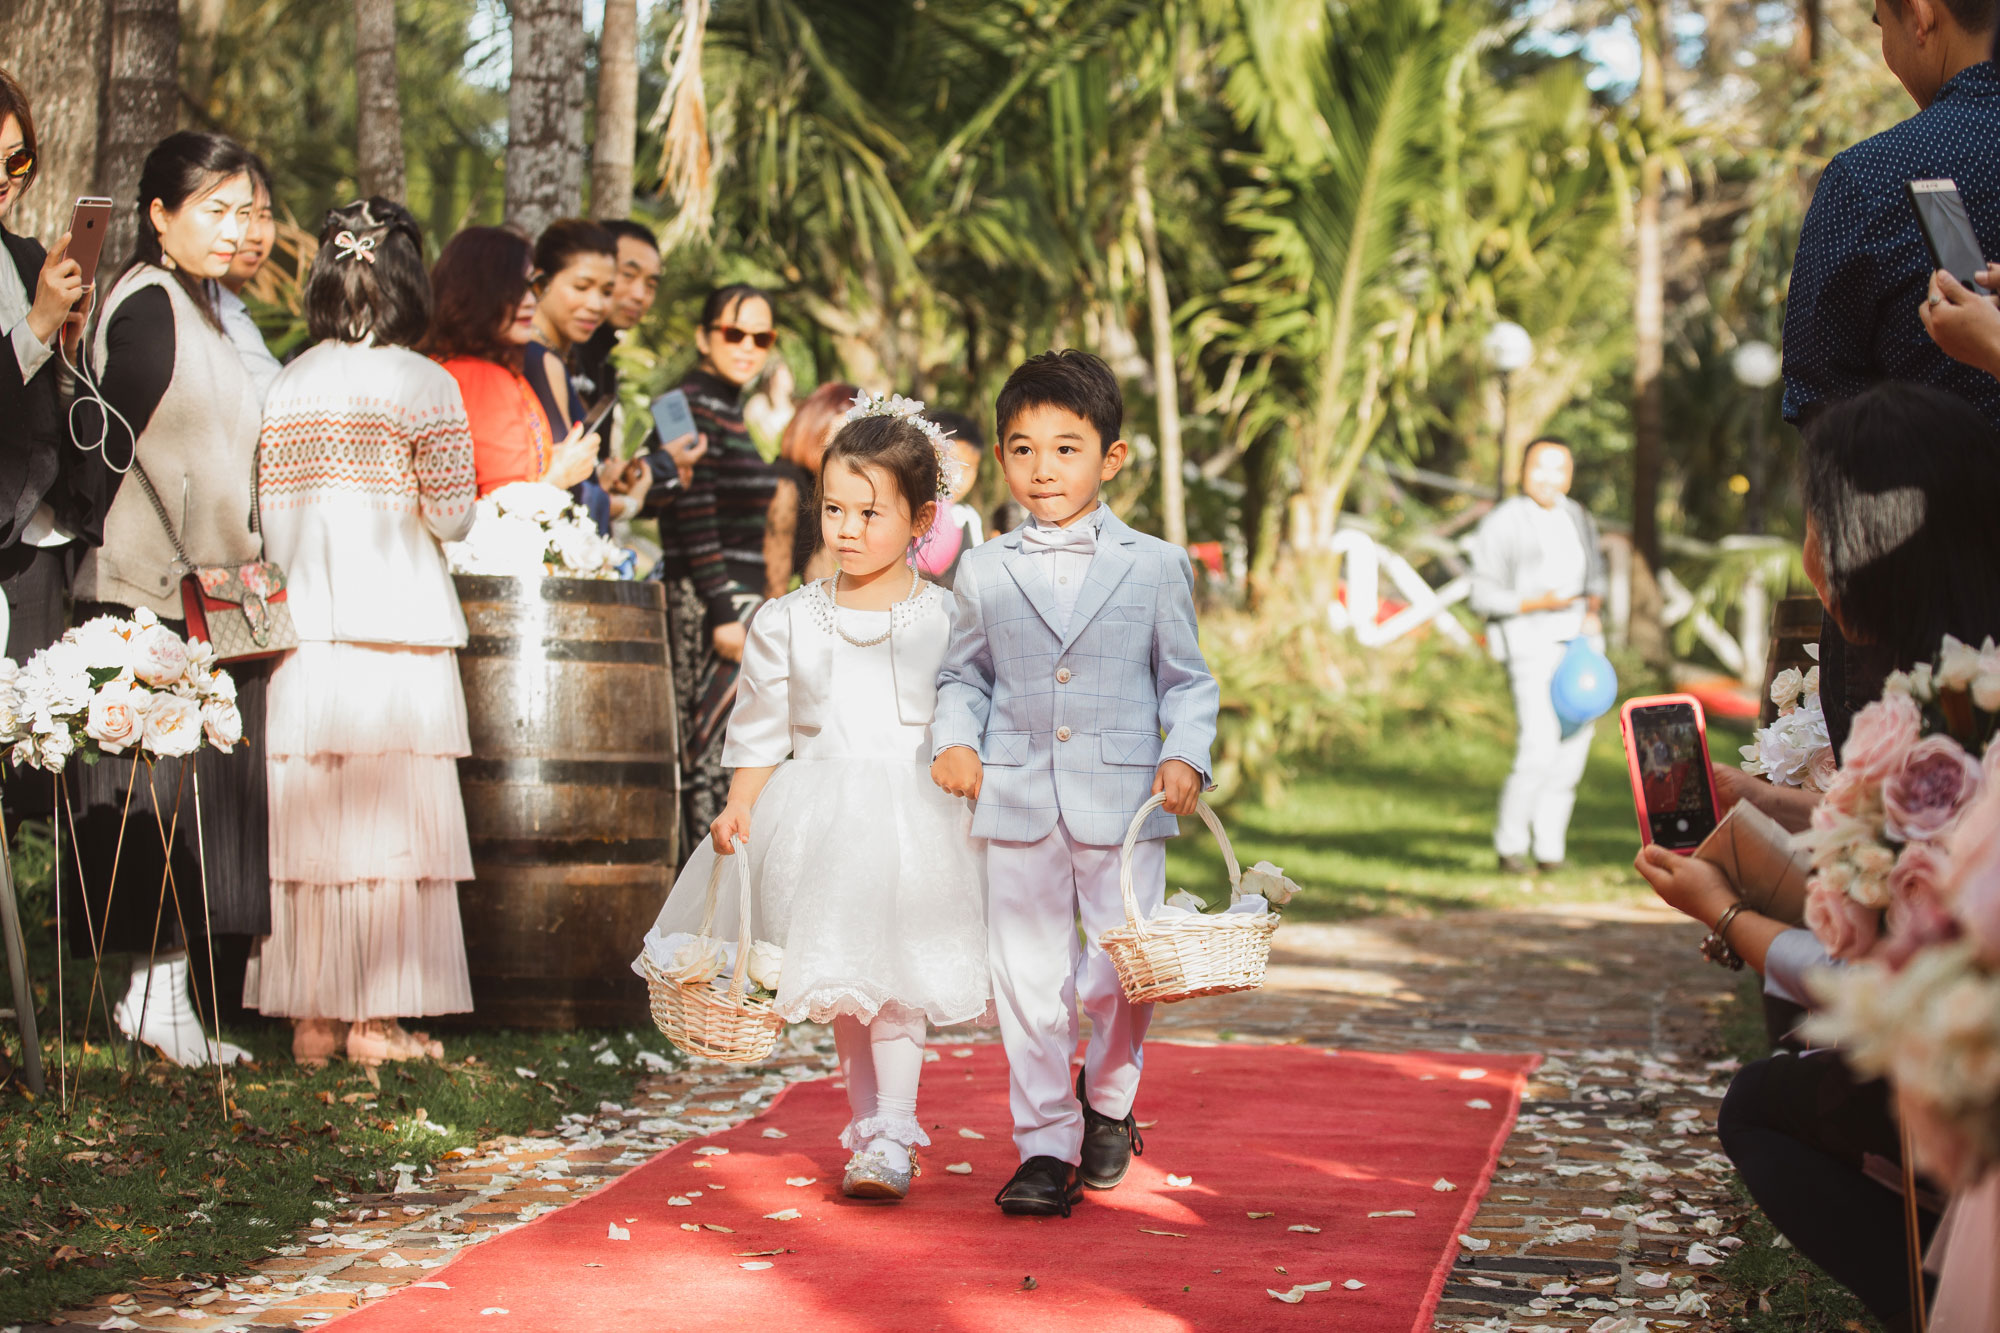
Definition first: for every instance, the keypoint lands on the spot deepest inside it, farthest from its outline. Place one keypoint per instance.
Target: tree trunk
(617, 110)
(1649, 320)
(1806, 48)
(201, 24)
(1166, 380)
(378, 110)
(141, 107)
(545, 114)
(56, 49)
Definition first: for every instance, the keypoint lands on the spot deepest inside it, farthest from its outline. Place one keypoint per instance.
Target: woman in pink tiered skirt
(365, 467)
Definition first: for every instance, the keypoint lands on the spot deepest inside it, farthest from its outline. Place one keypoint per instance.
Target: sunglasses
(733, 335)
(20, 162)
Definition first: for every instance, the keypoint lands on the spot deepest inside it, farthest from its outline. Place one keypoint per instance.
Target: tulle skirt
(368, 836)
(867, 876)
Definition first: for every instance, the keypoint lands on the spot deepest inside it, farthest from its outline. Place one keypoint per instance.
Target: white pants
(1036, 893)
(1535, 804)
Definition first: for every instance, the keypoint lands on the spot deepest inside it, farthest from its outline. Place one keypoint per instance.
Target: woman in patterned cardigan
(366, 467)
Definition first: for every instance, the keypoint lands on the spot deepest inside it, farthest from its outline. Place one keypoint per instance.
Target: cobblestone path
(1607, 1212)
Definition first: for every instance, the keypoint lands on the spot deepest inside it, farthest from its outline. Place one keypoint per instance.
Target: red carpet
(1313, 1137)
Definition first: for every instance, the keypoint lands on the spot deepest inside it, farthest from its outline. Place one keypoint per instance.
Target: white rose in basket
(117, 719)
(159, 657)
(697, 961)
(1269, 883)
(173, 726)
(766, 966)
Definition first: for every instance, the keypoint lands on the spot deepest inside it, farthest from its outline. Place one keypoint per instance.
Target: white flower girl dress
(864, 872)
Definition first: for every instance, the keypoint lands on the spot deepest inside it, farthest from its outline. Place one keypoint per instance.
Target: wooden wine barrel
(1795, 622)
(572, 795)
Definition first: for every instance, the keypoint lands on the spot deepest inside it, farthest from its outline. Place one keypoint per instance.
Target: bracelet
(1715, 945)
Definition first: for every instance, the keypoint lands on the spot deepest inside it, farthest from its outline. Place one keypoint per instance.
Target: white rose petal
(1179, 1182)
(1443, 1186)
(1699, 1253)
(960, 1168)
(619, 1233)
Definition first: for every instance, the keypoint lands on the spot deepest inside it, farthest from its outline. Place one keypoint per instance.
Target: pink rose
(1881, 735)
(1822, 770)
(159, 657)
(1917, 916)
(1922, 799)
(1845, 927)
(1851, 793)
(1973, 891)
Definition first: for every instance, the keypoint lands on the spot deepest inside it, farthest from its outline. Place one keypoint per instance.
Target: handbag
(241, 610)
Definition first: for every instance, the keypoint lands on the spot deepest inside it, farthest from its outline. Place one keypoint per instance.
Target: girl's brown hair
(808, 426)
(896, 445)
(476, 285)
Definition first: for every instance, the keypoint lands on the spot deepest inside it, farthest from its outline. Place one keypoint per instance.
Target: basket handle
(1132, 840)
(747, 937)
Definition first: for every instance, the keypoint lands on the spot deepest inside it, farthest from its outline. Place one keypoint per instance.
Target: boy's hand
(731, 824)
(1182, 785)
(959, 771)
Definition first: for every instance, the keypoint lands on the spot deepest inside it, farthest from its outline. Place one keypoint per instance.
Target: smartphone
(87, 225)
(1666, 747)
(1947, 229)
(672, 417)
(595, 418)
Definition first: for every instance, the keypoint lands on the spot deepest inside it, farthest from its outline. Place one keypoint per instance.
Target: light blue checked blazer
(1075, 724)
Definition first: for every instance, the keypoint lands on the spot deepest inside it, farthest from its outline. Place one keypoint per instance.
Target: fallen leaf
(619, 1233)
(782, 1215)
(800, 1182)
(1444, 1186)
(1310, 1231)
(960, 1168)
(756, 1254)
(1180, 1182)
(1254, 1216)
(970, 1134)
(756, 1264)
(1028, 1283)
(1393, 1212)
(776, 1134)
(1150, 1232)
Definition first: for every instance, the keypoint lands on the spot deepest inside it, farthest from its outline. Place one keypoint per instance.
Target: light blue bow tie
(1079, 537)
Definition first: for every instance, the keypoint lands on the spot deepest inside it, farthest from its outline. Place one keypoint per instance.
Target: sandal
(316, 1040)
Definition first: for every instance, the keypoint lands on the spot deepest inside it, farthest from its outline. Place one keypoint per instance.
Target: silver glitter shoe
(869, 1176)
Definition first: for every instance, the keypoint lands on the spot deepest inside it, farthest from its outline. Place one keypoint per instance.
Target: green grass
(145, 1177)
(1399, 819)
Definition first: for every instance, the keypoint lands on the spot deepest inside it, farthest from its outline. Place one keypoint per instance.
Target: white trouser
(1541, 790)
(1036, 892)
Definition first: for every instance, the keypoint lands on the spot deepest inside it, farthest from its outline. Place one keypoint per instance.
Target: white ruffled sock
(889, 1107)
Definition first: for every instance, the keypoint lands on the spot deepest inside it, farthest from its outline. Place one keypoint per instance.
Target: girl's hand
(59, 287)
(731, 824)
(1687, 884)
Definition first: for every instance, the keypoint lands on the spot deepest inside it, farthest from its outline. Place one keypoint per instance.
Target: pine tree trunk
(379, 112)
(617, 110)
(141, 107)
(55, 48)
(1173, 490)
(1649, 332)
(545, 114)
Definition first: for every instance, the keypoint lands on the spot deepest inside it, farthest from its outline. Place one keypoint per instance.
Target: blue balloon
(1584, 687)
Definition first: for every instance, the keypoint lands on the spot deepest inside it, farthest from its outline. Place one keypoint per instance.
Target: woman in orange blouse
(483, 332)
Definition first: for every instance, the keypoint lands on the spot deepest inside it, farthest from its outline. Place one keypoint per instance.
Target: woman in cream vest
(174, 397)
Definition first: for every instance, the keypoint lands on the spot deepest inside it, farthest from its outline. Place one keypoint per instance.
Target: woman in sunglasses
(713, 535)
(44, 498)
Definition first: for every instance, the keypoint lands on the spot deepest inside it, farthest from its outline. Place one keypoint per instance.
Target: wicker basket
(730, 1025)
(1180, 958)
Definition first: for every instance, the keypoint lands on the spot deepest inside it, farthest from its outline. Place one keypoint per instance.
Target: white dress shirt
(249, 341)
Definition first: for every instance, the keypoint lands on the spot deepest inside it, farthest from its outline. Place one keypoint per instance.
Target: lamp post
(1508, 348)
(1756, 367)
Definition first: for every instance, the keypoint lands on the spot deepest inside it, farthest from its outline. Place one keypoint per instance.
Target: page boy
(1073, 689)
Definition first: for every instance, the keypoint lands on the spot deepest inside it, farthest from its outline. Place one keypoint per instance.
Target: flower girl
(864, 872)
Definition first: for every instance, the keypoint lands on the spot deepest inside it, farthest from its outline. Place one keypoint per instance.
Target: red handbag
(239, 609)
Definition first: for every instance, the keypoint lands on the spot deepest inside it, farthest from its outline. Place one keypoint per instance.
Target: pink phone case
(1632, 759)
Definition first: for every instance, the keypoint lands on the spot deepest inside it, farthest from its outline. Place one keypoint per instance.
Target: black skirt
(226, 832)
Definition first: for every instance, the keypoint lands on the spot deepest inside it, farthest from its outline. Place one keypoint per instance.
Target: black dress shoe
(1108, 1145)
(1041, 1187)
(1513, 865)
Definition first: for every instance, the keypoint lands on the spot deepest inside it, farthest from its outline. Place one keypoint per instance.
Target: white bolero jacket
(794, 656)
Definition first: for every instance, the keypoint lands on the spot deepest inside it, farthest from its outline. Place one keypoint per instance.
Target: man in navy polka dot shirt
(1861, 272)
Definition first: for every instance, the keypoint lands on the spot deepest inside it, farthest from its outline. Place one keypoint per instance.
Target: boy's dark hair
(1070, 379)
(959, 426)
(624, 229)
(896, 444)
(368, 276)
(1901, 485)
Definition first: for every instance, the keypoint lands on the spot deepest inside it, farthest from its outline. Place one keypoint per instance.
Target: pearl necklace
(828, 589)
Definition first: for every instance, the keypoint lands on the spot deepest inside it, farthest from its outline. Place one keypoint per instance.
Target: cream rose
(117, 719)
(159, 657)
(56, 748)
(222, 723)
(1957, 664)
(173, 726)
(766, 965)
(1787, 686)
(697, 961)
(1269, 882)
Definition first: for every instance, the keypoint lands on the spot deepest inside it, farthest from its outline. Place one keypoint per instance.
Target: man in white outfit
(1538, 577)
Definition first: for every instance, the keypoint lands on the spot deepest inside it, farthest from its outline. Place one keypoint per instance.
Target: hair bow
(348, 246)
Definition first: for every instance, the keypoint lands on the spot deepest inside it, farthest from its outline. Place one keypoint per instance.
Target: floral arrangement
(1794, 751)
(1263, 887)
(697, 960)
(112, 685)
(528, 529)
(1880, 840)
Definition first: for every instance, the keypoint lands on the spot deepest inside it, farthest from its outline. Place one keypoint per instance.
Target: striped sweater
(713, 532)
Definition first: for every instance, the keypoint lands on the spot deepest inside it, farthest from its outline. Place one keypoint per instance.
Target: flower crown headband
(950, 470)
